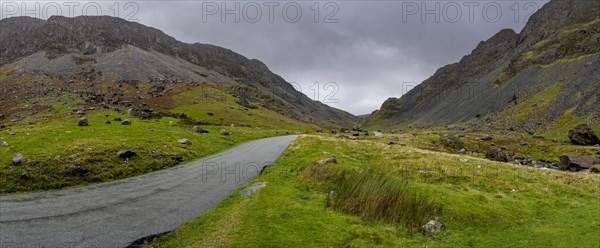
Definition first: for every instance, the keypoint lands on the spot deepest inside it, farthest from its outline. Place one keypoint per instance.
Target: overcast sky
(369, 49)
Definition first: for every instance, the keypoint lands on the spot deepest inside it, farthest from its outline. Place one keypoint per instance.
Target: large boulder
(495, 154)
(583, 135)
(576, 163)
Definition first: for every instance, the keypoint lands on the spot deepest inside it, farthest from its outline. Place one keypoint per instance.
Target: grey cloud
(369, 53)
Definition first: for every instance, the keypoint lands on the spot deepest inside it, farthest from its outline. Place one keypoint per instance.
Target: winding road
(115, 214)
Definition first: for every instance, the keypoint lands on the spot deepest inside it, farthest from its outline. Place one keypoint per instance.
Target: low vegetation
(485, 203)
(52, 143)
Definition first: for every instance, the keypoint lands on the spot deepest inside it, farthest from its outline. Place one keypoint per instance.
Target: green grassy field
(51, 140)
(483, 203)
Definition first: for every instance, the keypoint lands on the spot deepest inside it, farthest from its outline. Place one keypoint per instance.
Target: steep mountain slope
(528, 80)
(96, 49)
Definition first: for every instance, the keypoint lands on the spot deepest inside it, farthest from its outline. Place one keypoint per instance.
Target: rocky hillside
(107, 49)
(529, 80)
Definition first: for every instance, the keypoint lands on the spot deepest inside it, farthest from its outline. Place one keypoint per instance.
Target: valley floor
(482, 203)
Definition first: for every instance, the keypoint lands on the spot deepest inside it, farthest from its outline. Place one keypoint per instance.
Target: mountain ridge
(557, 48)
(86, 39)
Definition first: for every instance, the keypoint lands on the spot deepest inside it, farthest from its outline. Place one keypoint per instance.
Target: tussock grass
(381, 198)
(375, 197)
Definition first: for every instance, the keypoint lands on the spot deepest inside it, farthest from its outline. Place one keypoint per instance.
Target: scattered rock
(576, 163)
(583, 135)
(462, 151)
(353, 138)
(244, 125)
(340, 136)
(394, 139)
(329, 154)
(252, 189)
(597, 150)
(595, 169)
(83, 122)
(126, 154)
(3, 144)
(486, 138)
(356, 134)
(177, 159)
(2, 117)
(360, 170)
(433, 226)
(538, 137)
(78, 170)
(184, 141)
(80, 112)
(18, 159)
(198, 129)
(117, 119)
(12, 133)
(456, 187)
(496, 155)
(332, 195)
(453, 127)
(25, 176)
(224, 132)
(524, 143)
(2, 126)
(107, 122)
(326, 161)
(126, 122)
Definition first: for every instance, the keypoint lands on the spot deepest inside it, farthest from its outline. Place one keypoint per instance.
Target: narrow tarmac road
(115, 214)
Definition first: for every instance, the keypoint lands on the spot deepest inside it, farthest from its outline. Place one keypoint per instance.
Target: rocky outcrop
(557, 49)
(496, 155)
(92, 43)
(576, 163)
(583, 135)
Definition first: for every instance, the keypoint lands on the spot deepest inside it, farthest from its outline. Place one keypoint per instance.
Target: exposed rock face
(495, 154)
(576, 163)
(583, 135)
(61, 47)
(558, 48)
